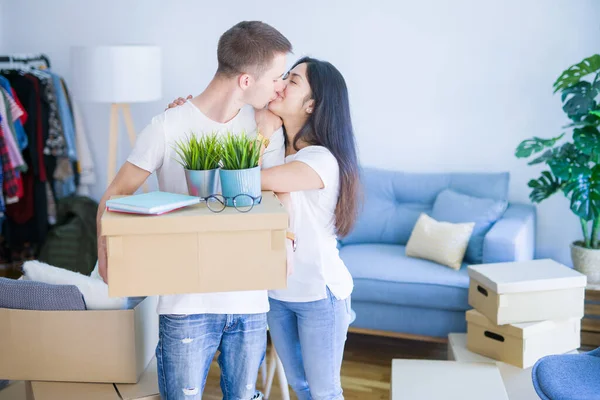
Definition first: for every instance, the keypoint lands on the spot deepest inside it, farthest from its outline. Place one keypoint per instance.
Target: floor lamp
(118, 75)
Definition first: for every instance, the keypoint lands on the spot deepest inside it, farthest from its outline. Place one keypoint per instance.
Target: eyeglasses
(242, 202)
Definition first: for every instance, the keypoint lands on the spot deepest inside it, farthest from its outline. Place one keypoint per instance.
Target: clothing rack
(25, 58)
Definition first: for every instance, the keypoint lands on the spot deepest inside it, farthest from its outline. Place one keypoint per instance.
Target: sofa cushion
(442, 242)
(451, 206)
(383, 273)
(408, 320)
(394, 200)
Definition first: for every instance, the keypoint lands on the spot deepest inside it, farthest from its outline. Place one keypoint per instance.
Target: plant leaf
(543, 187)
(584, 192)
(580, 99)
(199, 153)
(576, 72)
(592, 119)
(240, 152)
(587, 140)
(531, 146)
(566, 160)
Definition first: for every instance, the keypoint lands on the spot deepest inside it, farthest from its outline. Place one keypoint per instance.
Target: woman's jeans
(309, 338)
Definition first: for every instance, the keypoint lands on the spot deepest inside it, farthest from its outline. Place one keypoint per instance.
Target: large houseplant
(574, 160)
(240, 172)
(200, 157)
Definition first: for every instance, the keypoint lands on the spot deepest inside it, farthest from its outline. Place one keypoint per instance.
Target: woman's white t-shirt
(317, 264)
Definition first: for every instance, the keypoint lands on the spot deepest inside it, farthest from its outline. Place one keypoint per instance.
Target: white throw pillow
(441, 242)
(93, 288)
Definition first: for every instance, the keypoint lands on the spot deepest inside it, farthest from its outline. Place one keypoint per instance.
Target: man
(251, 63)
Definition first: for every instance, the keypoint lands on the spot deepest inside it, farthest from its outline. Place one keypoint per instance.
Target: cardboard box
(448, 380)
(517, 292)
(145, 389)
(517, 381)
(78, 346)
(521, 344)
(193, 250)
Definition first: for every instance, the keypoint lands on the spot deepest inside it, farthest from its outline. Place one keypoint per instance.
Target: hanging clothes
(21, 135)
(11, 182)
(66, 115)
(14, 152)
(43, 151)
(27, 220)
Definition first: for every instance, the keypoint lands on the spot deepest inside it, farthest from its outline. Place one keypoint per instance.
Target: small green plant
(199, 152)
(240, 152)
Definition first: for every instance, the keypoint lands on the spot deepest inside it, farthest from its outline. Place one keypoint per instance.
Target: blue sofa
(407, 297)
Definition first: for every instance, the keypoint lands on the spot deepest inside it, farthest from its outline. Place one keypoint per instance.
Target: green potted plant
(200, 157)
(240, 172)
(574, 161)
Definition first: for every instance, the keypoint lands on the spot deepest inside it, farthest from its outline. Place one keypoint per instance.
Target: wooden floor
(366, 369)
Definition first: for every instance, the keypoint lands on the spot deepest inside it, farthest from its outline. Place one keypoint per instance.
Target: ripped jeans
(188, 343)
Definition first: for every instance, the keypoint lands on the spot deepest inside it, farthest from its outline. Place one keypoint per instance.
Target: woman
(309, 319)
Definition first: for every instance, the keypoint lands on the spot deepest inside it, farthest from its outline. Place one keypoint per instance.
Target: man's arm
(127, 181)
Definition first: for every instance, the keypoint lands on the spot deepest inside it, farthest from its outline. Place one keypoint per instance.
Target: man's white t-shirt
(154, 151)
(317, 264)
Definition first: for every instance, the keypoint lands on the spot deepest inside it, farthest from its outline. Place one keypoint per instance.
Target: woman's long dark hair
(330, 126)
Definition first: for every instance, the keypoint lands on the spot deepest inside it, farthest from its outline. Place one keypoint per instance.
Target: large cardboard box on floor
(517, 292)
(145, 389)
(521, 344)
(78, 346)
(193, 250)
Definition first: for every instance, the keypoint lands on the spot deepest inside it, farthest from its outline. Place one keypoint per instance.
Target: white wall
(435, 85)
(2, 26)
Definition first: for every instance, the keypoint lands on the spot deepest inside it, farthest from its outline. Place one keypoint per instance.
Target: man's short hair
(250, 47)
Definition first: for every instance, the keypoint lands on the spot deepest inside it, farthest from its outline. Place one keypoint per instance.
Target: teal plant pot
(243, 181)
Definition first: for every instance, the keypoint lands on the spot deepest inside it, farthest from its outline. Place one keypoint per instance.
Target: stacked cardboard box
(145, 389)
(111, 346)
(102, 350)
(524, 310)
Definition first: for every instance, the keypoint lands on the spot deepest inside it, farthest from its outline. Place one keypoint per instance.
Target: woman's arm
(291, 177)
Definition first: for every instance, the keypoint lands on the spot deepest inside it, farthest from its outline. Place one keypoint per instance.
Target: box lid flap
(146, 387)
(521, 331)
(526, 276)
(269, 214)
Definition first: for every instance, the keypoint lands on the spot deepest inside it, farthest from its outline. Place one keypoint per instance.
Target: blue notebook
(152, 203)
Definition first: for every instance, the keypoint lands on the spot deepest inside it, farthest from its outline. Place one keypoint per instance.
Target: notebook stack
(153, 203)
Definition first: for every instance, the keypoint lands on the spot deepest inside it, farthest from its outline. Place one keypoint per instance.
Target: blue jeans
(187, 345)
(309, 338)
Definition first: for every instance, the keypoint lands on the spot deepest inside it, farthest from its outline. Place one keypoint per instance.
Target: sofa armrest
(512, 238)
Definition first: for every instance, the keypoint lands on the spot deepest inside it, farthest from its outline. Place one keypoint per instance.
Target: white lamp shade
(117, 74)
